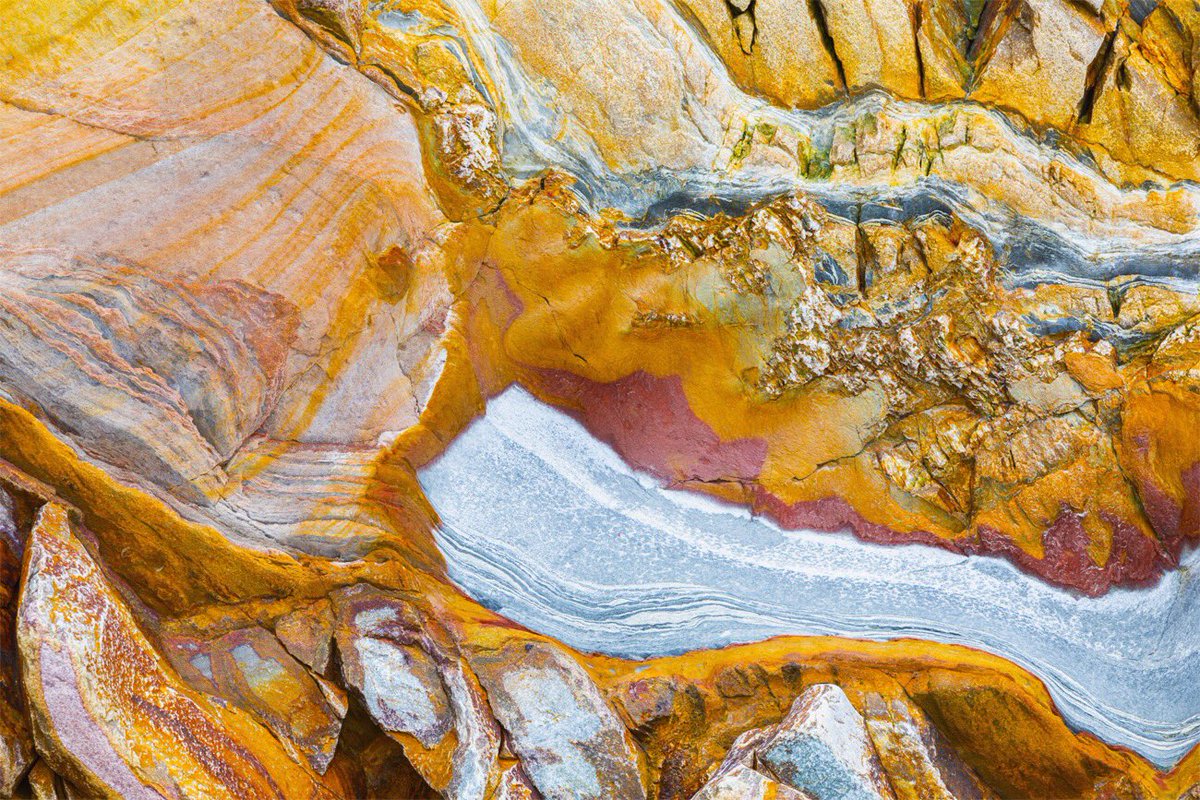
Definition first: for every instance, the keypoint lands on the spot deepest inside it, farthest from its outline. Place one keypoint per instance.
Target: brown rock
(734, 682)
(648, 701)
(44, 783)
(307, 633)
(250, 669)
(917, 759)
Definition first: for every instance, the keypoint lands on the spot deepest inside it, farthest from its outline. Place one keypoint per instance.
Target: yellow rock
(108, 711)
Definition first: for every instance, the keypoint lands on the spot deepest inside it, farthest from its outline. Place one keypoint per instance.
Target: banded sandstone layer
(924, 271)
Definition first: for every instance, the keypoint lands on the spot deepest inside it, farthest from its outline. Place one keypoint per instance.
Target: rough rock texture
(570, 742)
(821, 749)
(824, 748)
(108, 712)
(251, 669)
(739, 782)
(922, 271)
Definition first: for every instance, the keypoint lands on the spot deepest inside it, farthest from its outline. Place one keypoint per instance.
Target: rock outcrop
(824, 748)
(925, 272)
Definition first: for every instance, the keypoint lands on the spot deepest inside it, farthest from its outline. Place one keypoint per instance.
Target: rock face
(108, 712)
(824, 748)
(739, 782)
(821, 749)
(567, 737)
(924, 272)
(250, 668)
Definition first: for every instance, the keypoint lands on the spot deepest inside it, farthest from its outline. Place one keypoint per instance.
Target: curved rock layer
(545, 525)
(924, 272)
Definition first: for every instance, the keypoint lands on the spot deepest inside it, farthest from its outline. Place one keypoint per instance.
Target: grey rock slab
(822, 747)
(570, 742)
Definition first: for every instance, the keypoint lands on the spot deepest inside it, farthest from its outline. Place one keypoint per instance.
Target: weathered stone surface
(823, 748)
(739, 782)
(16, 743)
(210, 342)
(1036, 57)
(108, 712)
(906, 329)
(875, 43)
(569, 740)
(775, 49)
(399, 684)
(649, 701)
(918, 760)
(515, 785)
(413, 685)
(307, 633)
(251, 669)
(42, 782)
(924, 271)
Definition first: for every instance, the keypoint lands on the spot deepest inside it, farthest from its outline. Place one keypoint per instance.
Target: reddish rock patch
(648, 421)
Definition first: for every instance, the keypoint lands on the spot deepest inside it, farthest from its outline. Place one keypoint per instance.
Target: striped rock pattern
(864, 273)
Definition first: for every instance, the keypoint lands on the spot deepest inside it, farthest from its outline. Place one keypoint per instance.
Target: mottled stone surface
(400, 687)
(919, 762)
(740, 782)
(822, 747)
(413, 684)
(307, 633)
(108, 711)
(923, 272)
(568, 738)
(251, 669)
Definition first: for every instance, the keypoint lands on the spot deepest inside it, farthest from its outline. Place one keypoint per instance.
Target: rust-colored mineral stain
(919, 272)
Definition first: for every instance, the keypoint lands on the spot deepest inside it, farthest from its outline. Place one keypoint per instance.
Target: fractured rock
(919, 762)
(569, 740)
(108, 712)
(398, 680)
(740, 782)
(251, 669)
(307, 633)
(821, 749)
(414, 686)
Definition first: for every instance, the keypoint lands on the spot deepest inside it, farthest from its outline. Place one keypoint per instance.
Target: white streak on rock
(549, 527)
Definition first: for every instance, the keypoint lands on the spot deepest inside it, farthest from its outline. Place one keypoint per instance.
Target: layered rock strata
(925, 272)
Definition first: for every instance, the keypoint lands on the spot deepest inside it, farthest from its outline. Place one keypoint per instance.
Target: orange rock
(261, 260)
(108, 711)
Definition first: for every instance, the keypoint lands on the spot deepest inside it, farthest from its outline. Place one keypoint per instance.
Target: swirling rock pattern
(605, 559)
(921, 272)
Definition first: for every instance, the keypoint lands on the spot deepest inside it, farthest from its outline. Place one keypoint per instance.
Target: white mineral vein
(548, 526)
